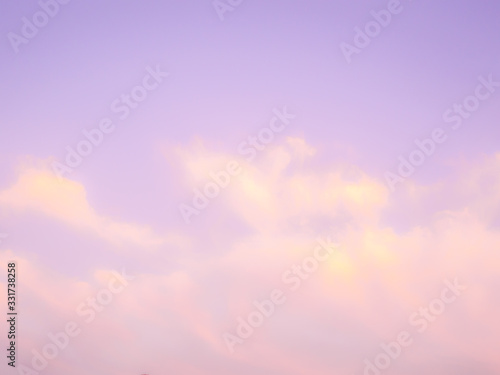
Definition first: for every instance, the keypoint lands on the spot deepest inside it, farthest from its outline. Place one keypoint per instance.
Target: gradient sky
(321, 177)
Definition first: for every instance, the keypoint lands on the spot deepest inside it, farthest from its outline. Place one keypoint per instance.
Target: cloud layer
(360, 297)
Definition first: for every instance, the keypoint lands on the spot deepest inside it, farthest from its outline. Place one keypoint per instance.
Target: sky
(253, 187)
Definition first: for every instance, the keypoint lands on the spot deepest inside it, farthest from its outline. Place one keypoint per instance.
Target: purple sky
(323, 176)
